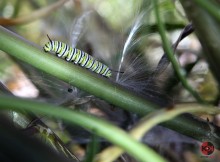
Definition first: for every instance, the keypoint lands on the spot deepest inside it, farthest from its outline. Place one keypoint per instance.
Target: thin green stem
(148, 122)
(98, 86)
(213, 9)
(167, 47)
(91, 123)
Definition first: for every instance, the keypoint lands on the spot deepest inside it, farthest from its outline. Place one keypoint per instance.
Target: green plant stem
(210, 6)
(95, 125)
(98, 86)
(207, 30)
(73, 74)
(23, 119)
(167, 47)
(148, 122)
(16, 146)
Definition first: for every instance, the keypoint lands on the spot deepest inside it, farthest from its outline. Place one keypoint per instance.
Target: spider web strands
(58, 92)
(78, 28)
(51, 89)
(89, 82)
(71, 95)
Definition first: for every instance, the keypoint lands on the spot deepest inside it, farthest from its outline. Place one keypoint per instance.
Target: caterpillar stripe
(78, 57)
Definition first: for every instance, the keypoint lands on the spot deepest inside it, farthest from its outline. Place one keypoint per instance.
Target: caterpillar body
(78, 57)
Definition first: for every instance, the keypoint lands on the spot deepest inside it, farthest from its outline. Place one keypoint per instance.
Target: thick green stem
(100, 127)
(211, 7)
(73, 74)
(98, 86)
(207, 30)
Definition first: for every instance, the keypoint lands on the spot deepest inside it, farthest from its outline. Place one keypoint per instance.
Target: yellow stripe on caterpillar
(77, 56)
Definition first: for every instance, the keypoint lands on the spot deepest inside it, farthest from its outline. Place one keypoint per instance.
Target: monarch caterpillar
(78, 57)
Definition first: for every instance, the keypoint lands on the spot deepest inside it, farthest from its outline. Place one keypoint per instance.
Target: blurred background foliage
(103, 35)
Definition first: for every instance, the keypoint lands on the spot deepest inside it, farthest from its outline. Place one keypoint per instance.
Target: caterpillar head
(47, 47)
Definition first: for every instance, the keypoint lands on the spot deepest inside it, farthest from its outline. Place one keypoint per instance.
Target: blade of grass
(91, 123)
(92, 149)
